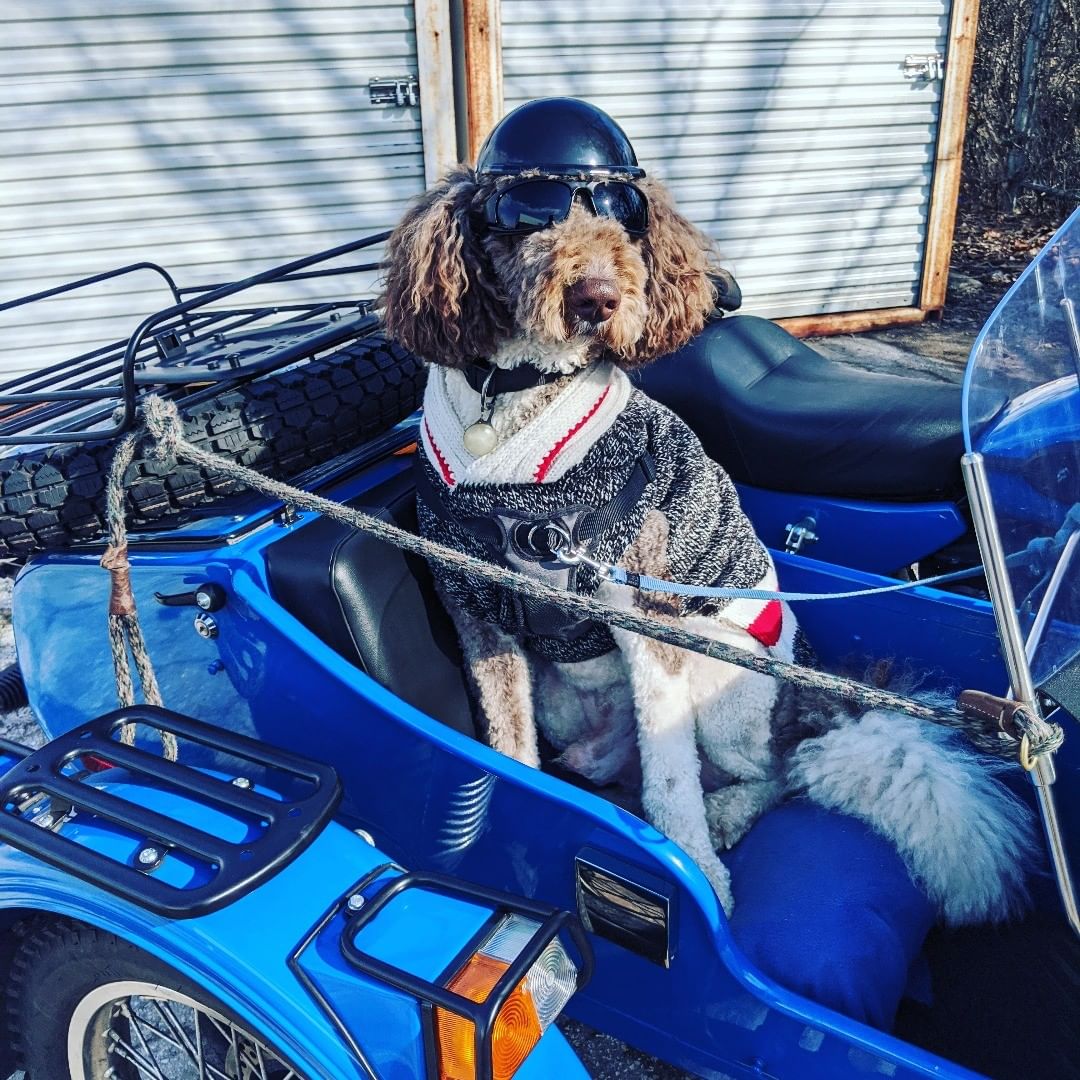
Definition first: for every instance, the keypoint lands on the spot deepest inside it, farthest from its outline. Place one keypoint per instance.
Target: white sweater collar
(543, 450)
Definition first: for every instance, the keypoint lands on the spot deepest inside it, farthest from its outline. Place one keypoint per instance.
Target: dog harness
(589, 486)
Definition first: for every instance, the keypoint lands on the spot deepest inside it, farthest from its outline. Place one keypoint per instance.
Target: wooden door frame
(484, 105)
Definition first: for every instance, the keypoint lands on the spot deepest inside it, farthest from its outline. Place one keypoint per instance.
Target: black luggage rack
(184, 345)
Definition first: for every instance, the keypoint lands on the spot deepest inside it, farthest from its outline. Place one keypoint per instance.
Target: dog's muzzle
(593, 300)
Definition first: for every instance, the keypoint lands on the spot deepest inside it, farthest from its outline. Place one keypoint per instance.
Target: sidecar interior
(865, 921)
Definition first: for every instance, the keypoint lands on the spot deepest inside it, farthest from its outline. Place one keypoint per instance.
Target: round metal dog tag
(480, 438)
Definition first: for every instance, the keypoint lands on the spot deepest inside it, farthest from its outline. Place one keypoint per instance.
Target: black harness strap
(513, 537)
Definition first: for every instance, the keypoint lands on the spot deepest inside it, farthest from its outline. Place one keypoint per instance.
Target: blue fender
(240, 955)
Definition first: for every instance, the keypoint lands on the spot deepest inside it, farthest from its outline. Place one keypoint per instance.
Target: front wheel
(87, 1005)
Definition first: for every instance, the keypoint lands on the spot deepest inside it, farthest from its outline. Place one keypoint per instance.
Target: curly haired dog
(584, 302)
(535, 444)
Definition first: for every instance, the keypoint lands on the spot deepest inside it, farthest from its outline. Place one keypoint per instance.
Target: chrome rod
(1017, 666)
(1042, 616)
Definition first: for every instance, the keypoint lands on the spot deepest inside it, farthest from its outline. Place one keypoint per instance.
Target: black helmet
(559, 135)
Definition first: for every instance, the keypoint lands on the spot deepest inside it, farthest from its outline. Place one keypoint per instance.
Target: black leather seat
(375, 605)
(778, 415)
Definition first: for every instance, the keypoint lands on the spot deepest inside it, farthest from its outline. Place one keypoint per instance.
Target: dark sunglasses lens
(626, 204)
(532, 205)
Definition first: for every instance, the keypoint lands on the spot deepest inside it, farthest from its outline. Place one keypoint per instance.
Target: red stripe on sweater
(447, 472)
(544, 467)
(767, 626)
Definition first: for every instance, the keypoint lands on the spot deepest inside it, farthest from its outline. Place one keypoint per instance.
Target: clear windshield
(1022, 413)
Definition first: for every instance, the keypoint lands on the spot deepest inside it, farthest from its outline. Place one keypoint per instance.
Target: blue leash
(646, 583)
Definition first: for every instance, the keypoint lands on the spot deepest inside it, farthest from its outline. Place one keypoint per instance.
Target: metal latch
(400, 90)
(927, 66)
(802, 532)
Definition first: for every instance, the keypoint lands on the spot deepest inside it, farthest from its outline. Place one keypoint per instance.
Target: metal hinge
(800, 534)
(927, 66)
(397, 91)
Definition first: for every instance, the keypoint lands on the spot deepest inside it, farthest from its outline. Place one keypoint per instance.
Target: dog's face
(457, 291)
(579, 281)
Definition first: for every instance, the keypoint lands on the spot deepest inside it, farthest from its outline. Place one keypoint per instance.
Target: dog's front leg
(671, 792)
(499, 672)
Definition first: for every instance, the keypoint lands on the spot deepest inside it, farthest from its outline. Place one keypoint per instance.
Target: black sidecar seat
(778, 415)
(375, 605)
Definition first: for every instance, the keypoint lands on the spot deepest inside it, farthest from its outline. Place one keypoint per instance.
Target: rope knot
(164, 426)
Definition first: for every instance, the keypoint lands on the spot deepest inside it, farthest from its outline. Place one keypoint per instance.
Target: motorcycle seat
(375, 605)
(778, 415)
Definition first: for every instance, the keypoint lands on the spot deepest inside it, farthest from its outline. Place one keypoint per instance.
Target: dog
(532, 287)
(583, 302)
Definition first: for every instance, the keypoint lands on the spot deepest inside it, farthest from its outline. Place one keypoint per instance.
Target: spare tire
(281, 424)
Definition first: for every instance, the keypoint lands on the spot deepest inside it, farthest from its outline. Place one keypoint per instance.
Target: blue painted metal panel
(878, 537)
(407, 776)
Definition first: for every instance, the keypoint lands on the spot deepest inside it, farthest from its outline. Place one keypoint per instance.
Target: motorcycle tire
(85, 1004)
(281, 424)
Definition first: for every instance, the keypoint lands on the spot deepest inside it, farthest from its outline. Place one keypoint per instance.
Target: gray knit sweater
(711, 540)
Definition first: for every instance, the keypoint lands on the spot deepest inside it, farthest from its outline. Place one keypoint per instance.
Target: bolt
(149, 855)
(355, 902)
(214, 667)
(242, 782)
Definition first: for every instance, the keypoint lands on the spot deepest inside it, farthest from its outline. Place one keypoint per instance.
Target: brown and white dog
(578, 299)
(586, 301)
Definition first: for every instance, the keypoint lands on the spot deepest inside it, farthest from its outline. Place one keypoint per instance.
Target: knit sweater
(711, 542)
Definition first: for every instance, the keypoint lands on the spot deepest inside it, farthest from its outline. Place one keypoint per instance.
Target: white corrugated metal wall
(216, 139)
(786, 128)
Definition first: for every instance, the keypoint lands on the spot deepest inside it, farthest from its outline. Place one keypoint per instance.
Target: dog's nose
(593, 300)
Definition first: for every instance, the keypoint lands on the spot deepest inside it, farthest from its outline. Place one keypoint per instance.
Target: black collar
(507, 380)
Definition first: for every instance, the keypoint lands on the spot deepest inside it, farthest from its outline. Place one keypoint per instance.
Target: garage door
(799, 135)
(214, 139)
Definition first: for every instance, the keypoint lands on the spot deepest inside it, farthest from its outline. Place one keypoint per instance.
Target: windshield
(1021, 411)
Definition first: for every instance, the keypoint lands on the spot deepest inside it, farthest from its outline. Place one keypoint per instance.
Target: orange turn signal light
(525, 1015)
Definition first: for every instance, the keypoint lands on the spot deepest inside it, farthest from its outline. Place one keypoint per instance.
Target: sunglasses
(530, 205)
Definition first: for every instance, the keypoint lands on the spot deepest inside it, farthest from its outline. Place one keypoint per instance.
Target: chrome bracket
(802, 532)
(928, 66)
(396, 92)
(1014, 653)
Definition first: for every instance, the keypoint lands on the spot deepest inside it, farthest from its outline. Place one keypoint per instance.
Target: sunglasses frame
(574, 184)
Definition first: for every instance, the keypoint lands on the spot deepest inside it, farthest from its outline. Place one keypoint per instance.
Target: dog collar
(492, 381)
(489, 382)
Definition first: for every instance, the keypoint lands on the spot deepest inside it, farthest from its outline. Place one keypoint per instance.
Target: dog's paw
(729, 816)
(720, 879)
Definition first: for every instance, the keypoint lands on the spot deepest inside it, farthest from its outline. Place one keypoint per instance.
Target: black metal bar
(241, 746)
(233, 869)
(292, 961)
(90, 393)
(482, 1014)
(94, 279)
(15, 749)
(183, 778)
(356, 268)
(157, 827)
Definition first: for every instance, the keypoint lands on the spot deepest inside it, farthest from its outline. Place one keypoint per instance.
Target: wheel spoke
(180, 1036)
(162, 1034)
(129, 1053)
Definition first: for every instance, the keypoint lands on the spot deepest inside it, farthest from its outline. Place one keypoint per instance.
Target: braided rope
(125, 633)
(162, 423)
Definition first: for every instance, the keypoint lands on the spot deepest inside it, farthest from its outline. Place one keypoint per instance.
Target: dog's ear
(440, 298)
(679, 293)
